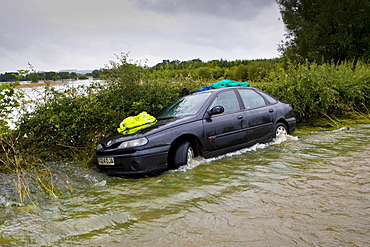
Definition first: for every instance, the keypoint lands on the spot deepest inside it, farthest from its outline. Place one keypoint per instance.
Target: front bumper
(138, 163)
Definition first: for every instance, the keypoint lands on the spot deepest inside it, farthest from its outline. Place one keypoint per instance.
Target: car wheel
(280, 129)
(184, 154)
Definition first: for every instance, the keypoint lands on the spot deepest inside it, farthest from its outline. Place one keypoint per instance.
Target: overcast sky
(85, 34)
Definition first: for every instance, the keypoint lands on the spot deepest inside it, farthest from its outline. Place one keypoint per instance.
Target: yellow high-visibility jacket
(134, 123)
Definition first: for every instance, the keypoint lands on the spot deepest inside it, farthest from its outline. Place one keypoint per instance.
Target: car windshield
(186, 106)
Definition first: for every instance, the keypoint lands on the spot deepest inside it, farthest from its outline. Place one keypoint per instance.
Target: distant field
(40, 84)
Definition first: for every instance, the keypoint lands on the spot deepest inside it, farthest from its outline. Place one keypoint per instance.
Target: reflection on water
(311, 190)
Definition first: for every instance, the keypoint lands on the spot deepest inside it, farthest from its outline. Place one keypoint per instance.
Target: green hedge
(70, 123)
(322, 90)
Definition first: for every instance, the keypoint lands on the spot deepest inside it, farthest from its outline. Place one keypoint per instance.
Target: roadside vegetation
(66, 125)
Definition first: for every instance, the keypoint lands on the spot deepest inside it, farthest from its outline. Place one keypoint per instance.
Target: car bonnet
(159, 126)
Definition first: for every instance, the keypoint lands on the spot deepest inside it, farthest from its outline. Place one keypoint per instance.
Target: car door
(227, 129)
(259, 115)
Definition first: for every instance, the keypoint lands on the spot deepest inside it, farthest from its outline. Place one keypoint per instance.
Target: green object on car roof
(228, 83)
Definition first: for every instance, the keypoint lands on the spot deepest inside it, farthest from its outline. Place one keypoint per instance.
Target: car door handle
(240, 117)
(271, 110)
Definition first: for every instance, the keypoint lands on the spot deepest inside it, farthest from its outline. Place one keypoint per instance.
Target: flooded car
(207, 124)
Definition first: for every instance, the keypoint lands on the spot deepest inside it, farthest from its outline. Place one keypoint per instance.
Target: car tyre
(184, 154)
(280, 129)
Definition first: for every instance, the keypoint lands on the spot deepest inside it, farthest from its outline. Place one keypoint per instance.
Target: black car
(208, 123)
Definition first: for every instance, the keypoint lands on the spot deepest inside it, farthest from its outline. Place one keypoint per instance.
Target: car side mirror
(216, 110)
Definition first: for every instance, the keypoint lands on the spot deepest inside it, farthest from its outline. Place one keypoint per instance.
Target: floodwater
(311, 189)
(36, 92)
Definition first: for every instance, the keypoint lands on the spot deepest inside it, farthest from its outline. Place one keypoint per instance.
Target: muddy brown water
(308, 190)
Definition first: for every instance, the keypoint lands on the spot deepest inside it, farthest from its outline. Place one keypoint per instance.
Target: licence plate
(106, 161)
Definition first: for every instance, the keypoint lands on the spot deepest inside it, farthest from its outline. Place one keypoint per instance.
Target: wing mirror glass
(216, 110)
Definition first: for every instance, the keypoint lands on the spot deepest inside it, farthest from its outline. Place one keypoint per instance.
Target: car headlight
(133, 143)
(99, 147)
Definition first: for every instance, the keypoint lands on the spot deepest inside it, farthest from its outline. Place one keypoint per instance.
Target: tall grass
(28, 172)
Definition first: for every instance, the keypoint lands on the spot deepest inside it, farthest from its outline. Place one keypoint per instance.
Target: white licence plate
(106, 161)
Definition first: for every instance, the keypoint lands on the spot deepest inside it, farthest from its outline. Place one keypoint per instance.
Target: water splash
(200, 160)
(334, 131)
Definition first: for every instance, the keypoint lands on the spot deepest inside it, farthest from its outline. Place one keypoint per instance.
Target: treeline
(196, 69)
(36, 76)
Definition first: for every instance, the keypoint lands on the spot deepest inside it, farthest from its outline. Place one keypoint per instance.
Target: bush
(260, 70)
(240, 73)
(322, 90)
(9, 100)
(70, 123)
(204, 72)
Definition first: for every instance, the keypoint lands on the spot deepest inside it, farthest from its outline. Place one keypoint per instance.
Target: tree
(64, 75)
(34, 77)
(73, 75)
(331, 30)
(50, 75)
(9, 76)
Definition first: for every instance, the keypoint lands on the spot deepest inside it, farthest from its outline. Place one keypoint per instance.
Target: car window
(251, 99)
(269, 98)
(186, 106)
(228, 100)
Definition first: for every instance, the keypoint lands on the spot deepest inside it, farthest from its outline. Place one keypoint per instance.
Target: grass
(327, 123)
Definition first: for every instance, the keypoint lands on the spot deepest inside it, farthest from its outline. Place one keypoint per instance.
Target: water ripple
(308, 191)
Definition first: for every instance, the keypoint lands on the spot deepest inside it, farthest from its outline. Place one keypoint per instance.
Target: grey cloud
(52, 37)
(229, 9)
(20, 27)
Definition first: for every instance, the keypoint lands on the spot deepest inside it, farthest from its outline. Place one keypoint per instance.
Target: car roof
(224, 88)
